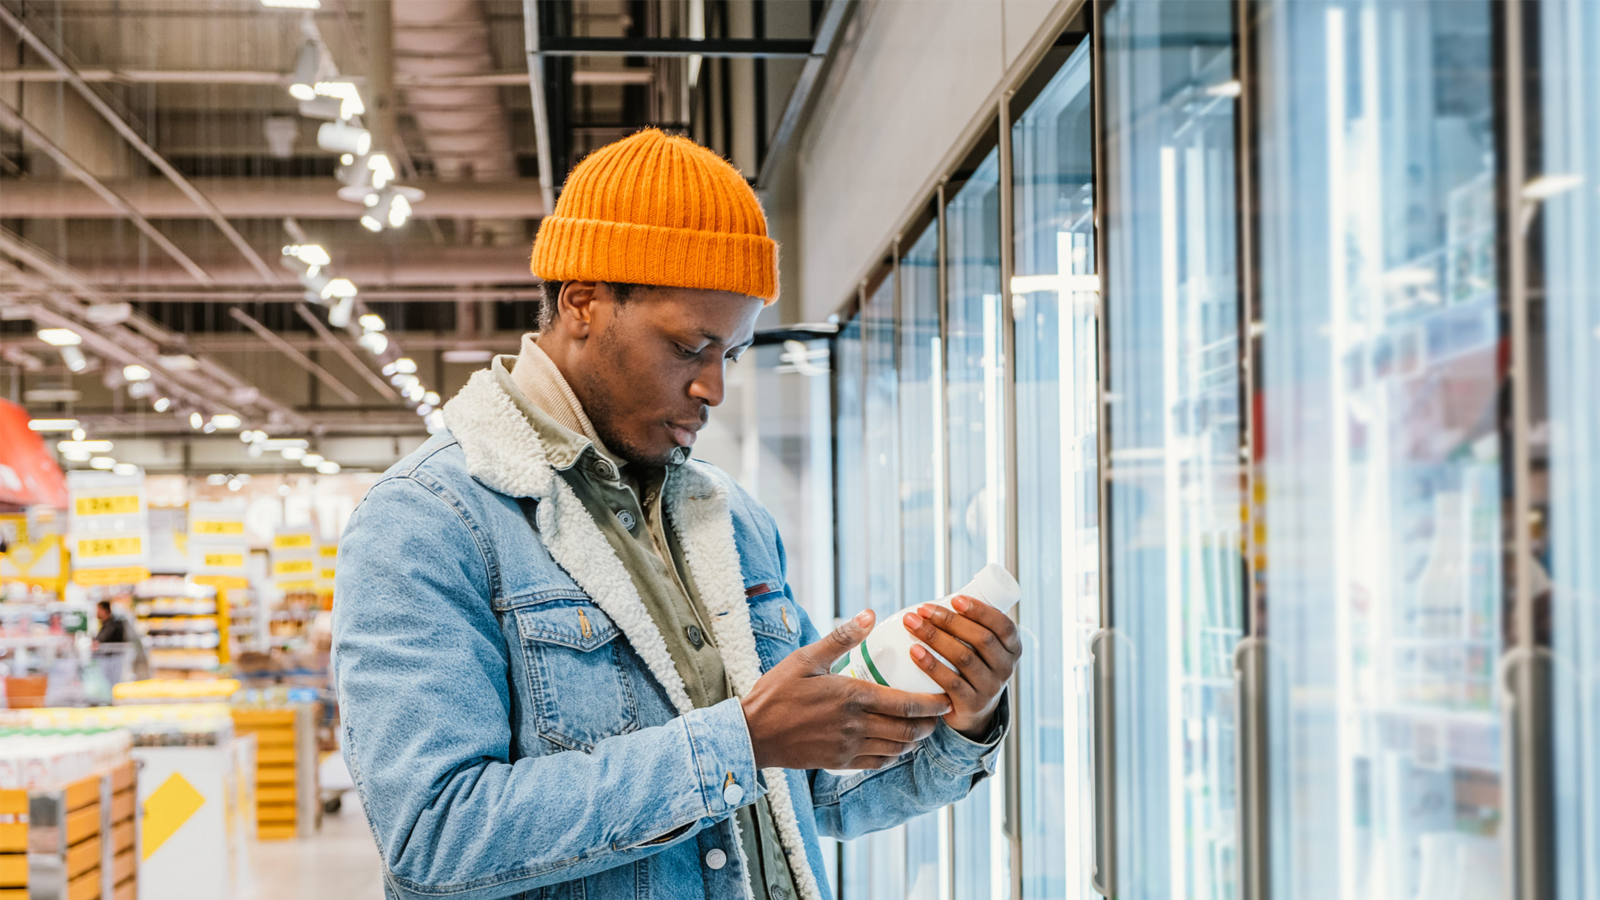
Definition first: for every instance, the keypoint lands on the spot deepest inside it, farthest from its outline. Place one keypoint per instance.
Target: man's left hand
(982, 643)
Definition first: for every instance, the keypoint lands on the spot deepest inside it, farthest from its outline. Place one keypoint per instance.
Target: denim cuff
(961, 755)
(725, 762)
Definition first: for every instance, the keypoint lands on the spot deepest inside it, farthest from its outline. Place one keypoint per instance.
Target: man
(568, 662)
(113, 630)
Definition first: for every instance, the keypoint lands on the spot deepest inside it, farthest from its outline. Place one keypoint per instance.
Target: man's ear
(575, 310)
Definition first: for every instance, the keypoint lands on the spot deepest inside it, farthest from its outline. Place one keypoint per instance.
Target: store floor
(340, 863)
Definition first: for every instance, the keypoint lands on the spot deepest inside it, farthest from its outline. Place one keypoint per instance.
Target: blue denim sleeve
(942, 770)
(424, 689)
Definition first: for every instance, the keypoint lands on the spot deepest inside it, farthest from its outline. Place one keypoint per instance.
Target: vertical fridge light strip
(941, 512)
(1176, 813)
(1337, 293)
(1066, 400)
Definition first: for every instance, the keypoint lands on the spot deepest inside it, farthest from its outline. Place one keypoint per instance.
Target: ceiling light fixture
(292, 4)
(125, 469)
(311, 460)
(339, 314)
(338, 287)
(350, 104)
(328, 467)
(292, 453)
(134, 372)
(374, 342)
(196, 421)
(103, 463)
(342, 137)
(60, 337)
(74, 358)
(161, 405)
(306, 68)
(374, 322)
(52, 424)
(226, 421)
(84, 446)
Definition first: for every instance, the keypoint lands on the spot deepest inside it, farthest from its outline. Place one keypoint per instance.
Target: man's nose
(709, 386)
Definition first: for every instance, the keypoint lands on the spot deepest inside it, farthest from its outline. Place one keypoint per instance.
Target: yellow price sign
(224, 560)
(215, 528)
(226, 582)
(291, 542)
(327, 551)
(120, 575)
(327, 575)
(95, 548)
(108, 506)
(294, 567)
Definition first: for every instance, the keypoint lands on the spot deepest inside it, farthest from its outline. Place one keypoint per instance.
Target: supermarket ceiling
(316, 221)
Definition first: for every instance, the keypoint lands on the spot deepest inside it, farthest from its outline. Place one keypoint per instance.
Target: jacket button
(732, 794)
(605, 469)
(626, 518)
(695, 637)
(679, 455)
(716, 859)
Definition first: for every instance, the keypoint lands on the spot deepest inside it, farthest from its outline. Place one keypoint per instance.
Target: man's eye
(685, 352)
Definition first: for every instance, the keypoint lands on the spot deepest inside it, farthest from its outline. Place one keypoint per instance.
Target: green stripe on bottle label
(867, 658)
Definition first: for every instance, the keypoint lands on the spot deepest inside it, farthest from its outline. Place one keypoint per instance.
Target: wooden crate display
(284, 789)
(67, 839)
(13, 845)
(120, 861)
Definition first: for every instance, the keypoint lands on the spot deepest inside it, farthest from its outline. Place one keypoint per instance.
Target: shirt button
(732, 794)
(716, 859)
(626, 518)
(695, 637)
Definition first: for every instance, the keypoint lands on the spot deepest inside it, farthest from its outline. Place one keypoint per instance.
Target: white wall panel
(912, 74)
(910, 77)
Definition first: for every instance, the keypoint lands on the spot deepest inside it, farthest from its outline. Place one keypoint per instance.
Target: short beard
(603, 417)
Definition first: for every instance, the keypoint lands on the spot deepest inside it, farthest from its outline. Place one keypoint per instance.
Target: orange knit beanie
(659, 210)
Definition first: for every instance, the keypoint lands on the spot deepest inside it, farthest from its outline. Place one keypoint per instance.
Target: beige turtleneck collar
(537, 377)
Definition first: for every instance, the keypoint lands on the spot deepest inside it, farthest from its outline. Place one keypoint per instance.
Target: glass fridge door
(974, 390)
(1173, 416)
(1053, 298)
(1381, 359)
(1565, 439)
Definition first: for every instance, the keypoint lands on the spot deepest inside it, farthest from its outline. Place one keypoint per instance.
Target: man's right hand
(802, 717)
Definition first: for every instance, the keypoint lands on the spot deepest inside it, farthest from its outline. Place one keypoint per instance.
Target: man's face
(102, 613)
(648, 371)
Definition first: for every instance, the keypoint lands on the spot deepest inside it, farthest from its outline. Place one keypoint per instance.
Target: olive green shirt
(625, 502)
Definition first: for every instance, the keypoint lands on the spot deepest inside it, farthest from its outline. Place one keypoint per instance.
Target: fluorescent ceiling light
(292, 453)
(311, 460)
(430, 398)
(328, 467)
(84, 446)
(77, 455)
(405, 365)
(135, 373)
(74, 358)
(125, 469)
(226, 421)
(60, 337)
(52, 424)
(338, 287)
(196, 420)
(103, 463)
(161, 405)
(285, 443)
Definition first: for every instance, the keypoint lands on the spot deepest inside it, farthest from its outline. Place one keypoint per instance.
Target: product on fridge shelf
(174, 690)
(154, 725)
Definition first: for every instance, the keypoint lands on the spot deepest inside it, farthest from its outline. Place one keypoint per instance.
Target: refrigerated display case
(1382, 358)
(1054, 293)
(1174, 429)
(974, 391)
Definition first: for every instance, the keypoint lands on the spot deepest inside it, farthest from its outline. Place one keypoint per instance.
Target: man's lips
(685, 434)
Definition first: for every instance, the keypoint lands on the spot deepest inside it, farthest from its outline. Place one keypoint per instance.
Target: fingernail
(919, 654)
(913, 621)
(961, 604)
(928, 612)
(864, 618)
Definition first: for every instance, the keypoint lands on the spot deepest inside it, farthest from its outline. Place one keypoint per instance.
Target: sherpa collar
(505, 454)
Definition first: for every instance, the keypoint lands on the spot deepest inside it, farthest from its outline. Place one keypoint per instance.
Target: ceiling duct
(464, 127)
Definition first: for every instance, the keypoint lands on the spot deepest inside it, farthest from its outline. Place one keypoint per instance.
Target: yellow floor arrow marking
(166, 809)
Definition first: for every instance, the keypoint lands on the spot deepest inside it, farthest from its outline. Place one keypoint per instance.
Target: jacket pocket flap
(579, 626)
(771, 615)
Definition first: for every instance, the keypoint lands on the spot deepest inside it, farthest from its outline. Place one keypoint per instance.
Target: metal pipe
(295, 356)
(132, 137)
(14, 120)
(282, 79)
(349, 356)
(379, 95)
(541, 111)
(800, 96)
(253, 198)
(1012, 510)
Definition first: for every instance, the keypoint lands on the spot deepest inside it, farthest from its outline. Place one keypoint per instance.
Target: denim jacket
(512, 719)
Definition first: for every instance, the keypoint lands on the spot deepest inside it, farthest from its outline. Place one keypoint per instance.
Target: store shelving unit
(287, 801)
(79, 842)
(184, 625)
(13, 845)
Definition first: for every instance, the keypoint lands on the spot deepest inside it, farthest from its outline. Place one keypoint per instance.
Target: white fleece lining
(698, 507)
(504, 453)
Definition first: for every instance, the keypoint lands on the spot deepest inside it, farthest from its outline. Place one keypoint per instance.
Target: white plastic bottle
(885, 656)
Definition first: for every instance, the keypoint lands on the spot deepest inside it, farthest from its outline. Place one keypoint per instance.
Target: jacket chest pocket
(581, 694)
(776, 623)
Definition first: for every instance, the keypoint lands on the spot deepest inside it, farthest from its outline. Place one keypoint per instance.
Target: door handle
(1250, 696)
(1103, 740)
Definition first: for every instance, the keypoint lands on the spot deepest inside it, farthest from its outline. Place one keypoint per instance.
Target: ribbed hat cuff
(568, 249)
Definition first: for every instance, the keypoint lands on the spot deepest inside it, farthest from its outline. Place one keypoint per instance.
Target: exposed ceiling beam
(369, 266)
(349, 356)
(437, 295)
(260, 198)
(270, 79)
(541, 110)
(295, 356)
(12, 119)
(767, 48)
(236, 342)
(132, 137)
